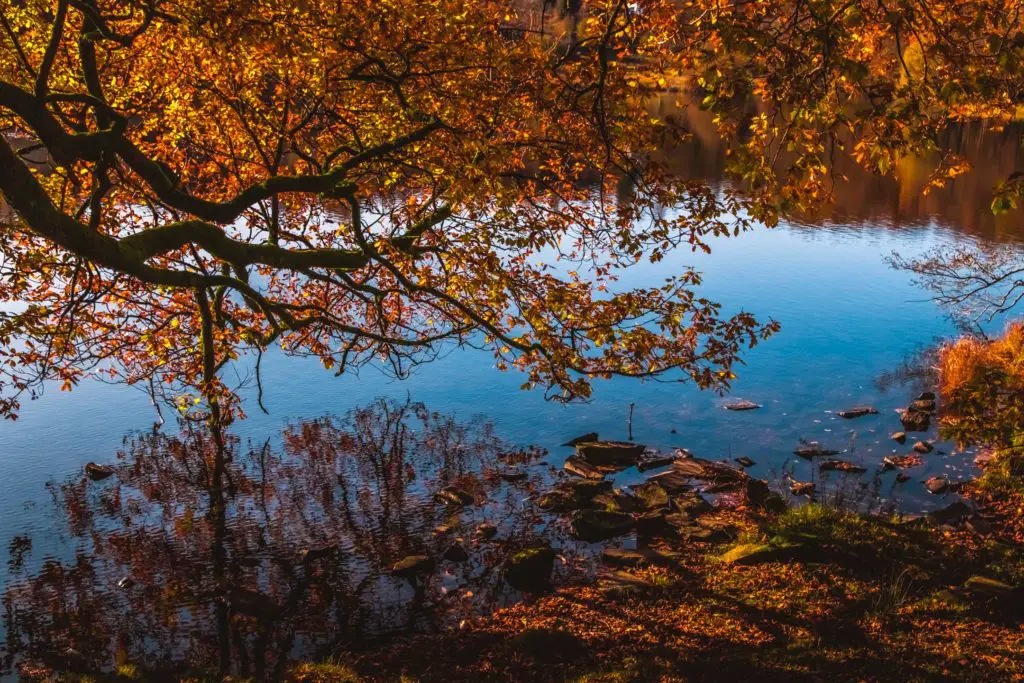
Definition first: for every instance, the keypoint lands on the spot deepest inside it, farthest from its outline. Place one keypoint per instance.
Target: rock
(672, 481)
(813, 449)
(655, 462)
(859, 411)
(598, 525)
(691, 503)
(750, 553)
(835, 465)
(745, 461)
(915, 420)
(951, 514)
(451, 495)
(707, 470)
(456, 553)
(651, 495)
(619, 584)
(617, 501)
(513, 475)
(412, 565)
(923, 447)
(621, 557)
(610, 453)
(901, 478)
(314, 554)
(923, 405)
(757, 492)
(559, 500)
(486, 531)
(979, 526)
(925, 396)
(98, 472)
(898, 437)
(530, 570)
(581, 468)
(901, 461)
(802, 488)
(125, 583)
(741, 405)
(651, 523)
(586, 438)
(982, 585)
(936, 485)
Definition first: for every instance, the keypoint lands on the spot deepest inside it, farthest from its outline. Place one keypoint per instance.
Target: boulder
(610, 453)
(452, 495)
(915, 420)
(835, 465)
(560, 500)
(925, 396)
(742, 405)
(707, 470)
(936, 485)
(745, 461)
(586, 438)
(859, 411)
(813, 449)
(923, 447)
(412, 565)
(530, 569)
(97, 472)
(599, 525)
(751, 553)
(898, 437)
(983, 585)
(923, 405)
(456, 553)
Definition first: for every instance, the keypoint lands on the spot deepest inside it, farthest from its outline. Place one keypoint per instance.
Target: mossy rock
(530, 569)
(759, 553)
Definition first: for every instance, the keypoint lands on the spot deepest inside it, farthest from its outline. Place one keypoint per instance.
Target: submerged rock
(915, 420)
(456, 553)
(859, 411)
(585, 438)
(512, 475)
(599, 525)
(530, 570)
(98, 472)
(936, 484)
(742, 405)
(412, 565)
(452, 495)
(813, 449)
(901, 461)
(901, 478)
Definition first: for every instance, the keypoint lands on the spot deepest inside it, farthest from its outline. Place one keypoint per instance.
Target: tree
(197, 180)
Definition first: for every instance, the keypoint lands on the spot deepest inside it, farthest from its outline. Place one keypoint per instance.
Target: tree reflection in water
(243, 559)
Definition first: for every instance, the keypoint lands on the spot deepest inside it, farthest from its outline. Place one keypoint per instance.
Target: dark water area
(282, 550)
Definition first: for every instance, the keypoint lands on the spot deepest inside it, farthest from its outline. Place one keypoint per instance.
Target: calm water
(847, 319)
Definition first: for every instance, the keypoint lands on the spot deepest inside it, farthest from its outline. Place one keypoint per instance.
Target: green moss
(325, 672)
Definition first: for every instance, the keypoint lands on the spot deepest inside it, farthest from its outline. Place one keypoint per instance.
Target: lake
(848, 321)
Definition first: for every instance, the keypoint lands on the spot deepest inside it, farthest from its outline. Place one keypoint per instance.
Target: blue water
(846, 318)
